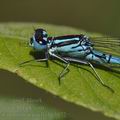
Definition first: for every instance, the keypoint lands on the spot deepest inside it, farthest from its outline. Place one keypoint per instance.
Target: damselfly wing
(107, 45)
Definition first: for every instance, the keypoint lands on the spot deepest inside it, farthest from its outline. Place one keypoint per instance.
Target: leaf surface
(79, 86)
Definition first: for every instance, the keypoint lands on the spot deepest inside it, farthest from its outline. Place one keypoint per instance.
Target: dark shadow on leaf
(37, 54)
(113, 71)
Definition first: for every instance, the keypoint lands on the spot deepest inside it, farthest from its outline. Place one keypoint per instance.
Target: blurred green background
(100, 16)
(91, 15)
(20, 100)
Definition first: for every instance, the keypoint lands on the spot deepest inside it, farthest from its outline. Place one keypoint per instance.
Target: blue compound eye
(41, 36)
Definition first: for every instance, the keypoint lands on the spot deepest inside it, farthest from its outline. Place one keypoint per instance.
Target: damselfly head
(39, 40)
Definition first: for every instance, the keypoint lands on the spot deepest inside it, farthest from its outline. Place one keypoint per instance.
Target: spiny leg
(99, 78)
(88, 63)
(47, 57)
(28, 61)
(38, 60)
(63, 72)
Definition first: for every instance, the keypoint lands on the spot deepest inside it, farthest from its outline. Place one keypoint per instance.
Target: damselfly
(77, 48)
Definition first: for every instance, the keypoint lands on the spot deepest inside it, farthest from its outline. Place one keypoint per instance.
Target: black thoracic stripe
(65, 43)
(67, 37)
(109, 58)
(76, 46)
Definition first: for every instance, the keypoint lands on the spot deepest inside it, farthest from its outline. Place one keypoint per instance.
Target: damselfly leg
(63, 72)
(92, 67)
(37, 60)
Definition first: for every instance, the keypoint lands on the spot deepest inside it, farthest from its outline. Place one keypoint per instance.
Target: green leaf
(79, 86)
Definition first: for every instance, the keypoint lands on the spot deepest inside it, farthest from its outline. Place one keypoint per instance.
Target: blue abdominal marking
(74, 48)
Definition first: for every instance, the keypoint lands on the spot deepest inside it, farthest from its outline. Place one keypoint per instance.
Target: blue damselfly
(77, 48)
